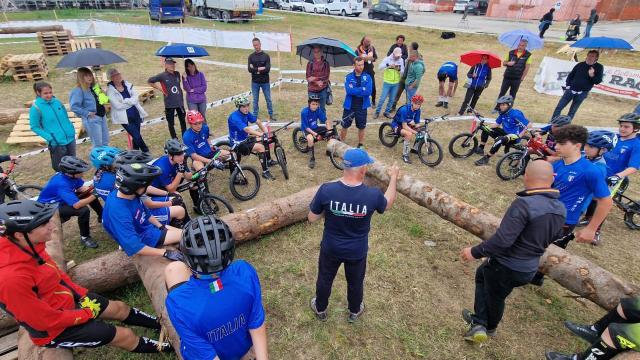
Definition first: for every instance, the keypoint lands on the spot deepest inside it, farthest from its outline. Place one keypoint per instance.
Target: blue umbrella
(602, 43)
(512, 38)
(335, 51)
(182, 51)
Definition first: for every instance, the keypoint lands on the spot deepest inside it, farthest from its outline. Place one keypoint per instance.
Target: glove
(613, 180)
(91, 304)
(176, 201)
(173, 255)
(181, 168)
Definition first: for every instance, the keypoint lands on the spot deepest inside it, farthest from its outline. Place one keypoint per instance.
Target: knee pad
(625, 336)
(631, 308)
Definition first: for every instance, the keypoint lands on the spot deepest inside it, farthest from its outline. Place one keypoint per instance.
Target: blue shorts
(163, 214)
(442, 76)
(153, 237)
(359, 115)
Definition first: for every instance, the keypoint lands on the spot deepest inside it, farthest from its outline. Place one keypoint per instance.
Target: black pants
(133, 129)
(83, 214)
(373, 86)
(354, 271)
(170, 113)
(470, 98)
(494, 283)
(512, 85)
(59, 151)
(401, 87)
(501, 138)
(544, 29)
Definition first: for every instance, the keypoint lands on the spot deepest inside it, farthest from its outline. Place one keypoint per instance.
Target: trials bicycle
(300, 142)
(428, 149)
(12, 190)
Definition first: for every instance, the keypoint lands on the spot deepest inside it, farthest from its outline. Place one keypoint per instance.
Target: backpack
(448, 35)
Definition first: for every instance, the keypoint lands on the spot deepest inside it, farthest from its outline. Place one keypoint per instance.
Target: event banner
(620, 82)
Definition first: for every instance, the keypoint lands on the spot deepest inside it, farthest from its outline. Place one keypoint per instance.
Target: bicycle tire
(282, 161)
(632, 217)
(251, 174)
(335, 160)
(467, 141)
(432, 146)
(514, 166)
(299, 140)
(209, 205)
(385, 133)
(27, 192)
(224, 145)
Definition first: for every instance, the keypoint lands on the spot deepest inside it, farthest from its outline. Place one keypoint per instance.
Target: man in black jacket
(545, 22)
(579, 82)
(259, 66)
(532, 222)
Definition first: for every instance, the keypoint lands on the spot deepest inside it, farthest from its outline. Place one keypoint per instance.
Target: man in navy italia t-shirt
(347, 205)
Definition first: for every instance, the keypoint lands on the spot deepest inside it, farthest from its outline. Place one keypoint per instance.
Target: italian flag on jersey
(215, 286)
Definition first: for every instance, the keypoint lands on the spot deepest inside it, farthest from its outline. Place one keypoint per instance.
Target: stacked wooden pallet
(28, 67)
(4, 64)
(145, 93)
(79, 44)
(55, 42)
(22, 134)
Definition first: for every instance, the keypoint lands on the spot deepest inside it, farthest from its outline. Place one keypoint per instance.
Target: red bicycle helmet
(194, 116)
(418, 99)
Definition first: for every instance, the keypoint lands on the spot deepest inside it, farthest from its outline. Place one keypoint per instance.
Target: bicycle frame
(8, 182)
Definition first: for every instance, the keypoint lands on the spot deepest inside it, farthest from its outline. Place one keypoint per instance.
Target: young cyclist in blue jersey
(313, 122)
(63, 189)
(210, 280)
(624, 159)
(245, 139)
(130, 223)
(404, 121)
(448, 70)
(196, 139)
(554, 124)
(510, 126)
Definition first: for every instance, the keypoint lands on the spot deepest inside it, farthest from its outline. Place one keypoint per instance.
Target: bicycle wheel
(282, 161)
(336, 160)
(386, 135)
(430, 152)
(244, 183)
(224, 145)
(511, 166)
(26, 192)
(299, 140)
(211, 204)
(632, 217)
(463, 145)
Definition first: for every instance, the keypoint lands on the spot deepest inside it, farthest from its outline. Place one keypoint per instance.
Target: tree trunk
(244, 226)
(105, 273)
(30, 29)
(572, 272)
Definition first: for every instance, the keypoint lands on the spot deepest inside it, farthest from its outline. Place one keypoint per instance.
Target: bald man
(532, 222)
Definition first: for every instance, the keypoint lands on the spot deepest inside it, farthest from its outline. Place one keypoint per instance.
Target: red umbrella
(473, 57)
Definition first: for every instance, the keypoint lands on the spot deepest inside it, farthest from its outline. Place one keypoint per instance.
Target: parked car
(167, 10)
(344, 7)
(476, 7)
(293, 5)
(315, 6)
(387, 11)
(271, 4)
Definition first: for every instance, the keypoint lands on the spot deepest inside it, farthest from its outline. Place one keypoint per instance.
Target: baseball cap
(169, 60)
(356, 157)
(397, 52)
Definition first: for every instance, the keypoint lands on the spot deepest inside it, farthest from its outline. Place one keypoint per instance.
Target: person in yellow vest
(393, 66)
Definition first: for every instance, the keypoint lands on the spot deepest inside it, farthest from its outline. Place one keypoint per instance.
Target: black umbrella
(89, 57)
(335, 51)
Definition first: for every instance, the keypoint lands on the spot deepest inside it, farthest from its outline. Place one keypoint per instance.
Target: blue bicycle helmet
(602, 139)
(103, 156)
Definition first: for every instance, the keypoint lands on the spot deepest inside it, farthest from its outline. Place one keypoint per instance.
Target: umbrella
(335, 51)
(181, 51)
(602, 43)
(89, 57)
(512, 38)
(473, 57)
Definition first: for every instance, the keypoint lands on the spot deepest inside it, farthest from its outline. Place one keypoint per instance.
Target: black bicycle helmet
(313, 97)
(23, 216)
(631, 118)
(131, 177)
(174, 147)
(131, 157)
(207, 245)
(506, 99)
(72, 165)
(561, 120)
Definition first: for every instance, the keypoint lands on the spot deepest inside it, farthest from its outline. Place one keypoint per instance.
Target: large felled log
(30, 29)
(572, 272)
(105, 273)
(245, 226)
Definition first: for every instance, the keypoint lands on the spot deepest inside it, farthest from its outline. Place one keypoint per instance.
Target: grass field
(414, 293)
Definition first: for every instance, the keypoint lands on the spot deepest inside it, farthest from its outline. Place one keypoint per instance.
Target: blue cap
(356, 157)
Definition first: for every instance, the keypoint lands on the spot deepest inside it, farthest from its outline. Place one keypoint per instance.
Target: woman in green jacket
(414, 74)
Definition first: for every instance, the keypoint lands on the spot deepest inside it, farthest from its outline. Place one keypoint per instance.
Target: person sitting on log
(129, 221)
(55, 311)
(210, 279)
(165, 207)
(616, 332)
(66, 188)
(404, 122)
(196, 139)
(313, 122)
(532, 222)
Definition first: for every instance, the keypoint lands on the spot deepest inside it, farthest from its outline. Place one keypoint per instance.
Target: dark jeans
(133, 128)
(543, 30)
(401, 86)
(354, 271)
(67, 212)
(494, 283)
(170, 113)
(470, 98)
(373, 87)
(575, 99)
(60, 151)
(509, 84)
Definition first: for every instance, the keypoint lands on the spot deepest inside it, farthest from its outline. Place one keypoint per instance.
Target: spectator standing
(169, 85)
(195, 85)
(414, 74)
(125, 108)
(259, 66)
(448, 70)
(399, 44)
(517, 63)
(318, 71)
(358, 86)
(574, 28)
(48, 118)
(480, 75)
(347, 206)
(579, 82)
(367, 52)
(545, 22)
(414, 46)
(87, 101)
(592, 20)
(393, 67)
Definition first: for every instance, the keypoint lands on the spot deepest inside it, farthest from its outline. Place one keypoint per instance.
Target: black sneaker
(88, 242)
(320, 315)
(267, 175)
(413, 151)
(360, 146)
(482, 161)
(271, 163)
(439, 104)
(387, 115)
(582, 331)
(467, 316)
(552, 355)
(312, 163)
(445, 105)
(406, 159)
(376, 115)
(272, 118)
(479, 151)
(354, 316)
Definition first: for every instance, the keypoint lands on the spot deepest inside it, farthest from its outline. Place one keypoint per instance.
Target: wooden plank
(9, 342)
(10, 356)
(26, 127)
(31, 76)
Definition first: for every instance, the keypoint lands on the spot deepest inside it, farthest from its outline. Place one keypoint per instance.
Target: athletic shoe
(376, 115)
(354, 316)
(439, 104)
(492, 333)
(272, 162)
(267, 175)
(479, 151)
(445, 105)
(467, 316)
(482, 161)
(551, 355)
(406, 159)
(387, 115)
(320, 315)
(476, 334)
(273, 118)
(585, 332)
(88, 242)
(360, 146)
(312, 163)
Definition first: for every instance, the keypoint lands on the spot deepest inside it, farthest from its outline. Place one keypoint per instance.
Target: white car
(293, 5)
(344, 7)
(315, 6)
(459, 6)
